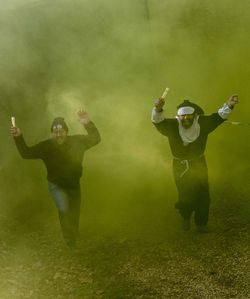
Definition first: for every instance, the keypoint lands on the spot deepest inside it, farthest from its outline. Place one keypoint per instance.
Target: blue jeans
(67, 202)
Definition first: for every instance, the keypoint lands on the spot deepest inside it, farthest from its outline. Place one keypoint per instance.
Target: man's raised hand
(159, 104)
(83, 117)
(14, 131)
(161, 101)
(232, 101)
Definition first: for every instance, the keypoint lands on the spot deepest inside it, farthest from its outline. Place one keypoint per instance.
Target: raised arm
(227, 108)
(158, 117)
(211, 122)
(157, 112)
(93, 136)
(27, 152)
(232, 101)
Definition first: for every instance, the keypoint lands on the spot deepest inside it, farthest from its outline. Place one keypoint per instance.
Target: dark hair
(59, 121)
(187, 103)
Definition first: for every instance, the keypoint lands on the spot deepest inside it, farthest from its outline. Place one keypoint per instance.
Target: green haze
(114, 58)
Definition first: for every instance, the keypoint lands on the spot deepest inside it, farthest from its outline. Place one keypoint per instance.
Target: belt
(186, 163)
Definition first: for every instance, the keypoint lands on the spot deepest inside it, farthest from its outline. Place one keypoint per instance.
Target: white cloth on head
(185, 110)
(191, 134)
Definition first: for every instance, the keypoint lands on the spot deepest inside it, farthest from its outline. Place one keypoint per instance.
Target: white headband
(185, 110)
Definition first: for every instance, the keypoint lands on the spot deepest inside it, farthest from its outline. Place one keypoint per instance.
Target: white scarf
(191, 134)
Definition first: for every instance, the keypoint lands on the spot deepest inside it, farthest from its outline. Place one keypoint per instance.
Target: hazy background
(114, 58)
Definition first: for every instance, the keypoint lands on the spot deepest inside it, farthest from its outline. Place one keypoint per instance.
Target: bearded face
(59, 135)
(186, 120)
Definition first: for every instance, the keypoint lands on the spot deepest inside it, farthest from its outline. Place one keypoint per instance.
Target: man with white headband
(187, 135)
(62, 155)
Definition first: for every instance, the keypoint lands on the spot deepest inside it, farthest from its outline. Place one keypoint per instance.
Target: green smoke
(114, 58)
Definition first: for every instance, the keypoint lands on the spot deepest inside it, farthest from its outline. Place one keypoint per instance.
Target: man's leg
(202, 207)
(185, 203)
(74, 213)
(201, 215)
(185, 200)
(185, 209)
(68, 205)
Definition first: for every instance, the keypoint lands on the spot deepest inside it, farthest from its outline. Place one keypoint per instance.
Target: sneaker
(185, 224)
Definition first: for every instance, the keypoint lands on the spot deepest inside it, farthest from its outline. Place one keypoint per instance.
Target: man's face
(186, 120)
(59, 135)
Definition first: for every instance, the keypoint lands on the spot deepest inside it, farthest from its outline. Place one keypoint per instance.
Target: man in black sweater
(187, 135)
(62, 155)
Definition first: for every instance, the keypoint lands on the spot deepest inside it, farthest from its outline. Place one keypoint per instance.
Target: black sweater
(170, 128)
(63, 161)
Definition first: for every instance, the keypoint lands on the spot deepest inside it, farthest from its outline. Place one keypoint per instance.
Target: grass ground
(154, 260)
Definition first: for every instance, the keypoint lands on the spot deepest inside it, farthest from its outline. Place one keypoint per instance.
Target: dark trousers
(191, 178)
(68, 202)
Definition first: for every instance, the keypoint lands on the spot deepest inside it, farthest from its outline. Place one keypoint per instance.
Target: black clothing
(193, 189)
(169, 128)
(63, 161)
(190, 168)
(64, 170)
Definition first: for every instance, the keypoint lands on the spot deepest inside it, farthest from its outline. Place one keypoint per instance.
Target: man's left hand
(232, 101)
(83, 117)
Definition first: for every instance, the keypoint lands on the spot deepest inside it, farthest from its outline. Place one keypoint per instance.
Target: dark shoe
(202, 229)
(185, 224)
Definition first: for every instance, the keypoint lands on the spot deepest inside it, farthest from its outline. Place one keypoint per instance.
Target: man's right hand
(159, 104)
(15, 132)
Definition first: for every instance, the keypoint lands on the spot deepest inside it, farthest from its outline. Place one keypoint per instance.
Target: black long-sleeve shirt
(63, 161)
(170, 128)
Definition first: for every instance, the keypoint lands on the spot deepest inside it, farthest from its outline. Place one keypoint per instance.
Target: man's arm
(27, 152)
(93, 136)
(158, 117)
(211, 122)
(227, 108)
